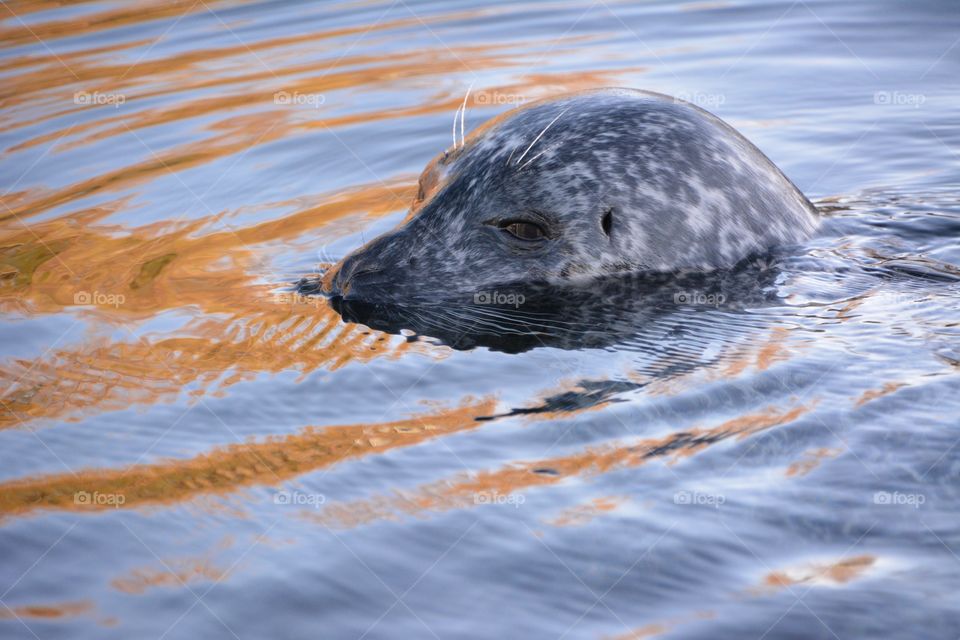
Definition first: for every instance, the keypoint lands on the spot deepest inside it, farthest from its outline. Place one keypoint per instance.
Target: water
(190, 450)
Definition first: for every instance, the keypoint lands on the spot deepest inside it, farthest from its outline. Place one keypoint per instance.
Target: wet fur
(684, 190)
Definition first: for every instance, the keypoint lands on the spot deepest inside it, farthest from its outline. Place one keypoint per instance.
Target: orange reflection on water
(487, 487)
(175, 572)
(238, 133)
(47, 611)
(648, 631)
(834, 574)
(146, 77)
(203, 262)
(225, 470)
(582, 514)
(180, 575)
(873, 394)
(240, 327)
(131, 14)
(811, 461)
(659, 628)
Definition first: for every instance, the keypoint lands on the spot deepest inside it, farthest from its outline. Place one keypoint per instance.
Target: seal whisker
(428, 319)
(541, 134)
(514, 316)
(463, 117)
(525, 164)
(446, 320)
(456, 114)
(470, 314)
(476, 321)
(511, 316)
(512, 326)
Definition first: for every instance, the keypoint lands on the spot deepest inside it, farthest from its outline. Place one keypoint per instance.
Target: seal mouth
(352, 310)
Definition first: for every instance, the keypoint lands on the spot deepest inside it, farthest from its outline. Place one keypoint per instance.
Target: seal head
(569, 189)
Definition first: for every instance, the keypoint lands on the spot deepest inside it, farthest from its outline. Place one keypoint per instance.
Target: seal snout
(354, 272)
(375, 271)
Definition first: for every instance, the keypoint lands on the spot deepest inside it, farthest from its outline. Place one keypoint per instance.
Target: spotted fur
(685, 191)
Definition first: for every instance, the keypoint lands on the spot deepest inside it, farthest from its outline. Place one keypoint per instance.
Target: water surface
(189, 449)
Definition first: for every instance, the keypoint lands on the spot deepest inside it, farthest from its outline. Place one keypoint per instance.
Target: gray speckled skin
(686, 192)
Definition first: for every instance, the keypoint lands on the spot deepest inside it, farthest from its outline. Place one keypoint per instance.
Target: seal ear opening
(606, 223)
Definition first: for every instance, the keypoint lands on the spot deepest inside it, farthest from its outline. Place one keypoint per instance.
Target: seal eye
(523, 230)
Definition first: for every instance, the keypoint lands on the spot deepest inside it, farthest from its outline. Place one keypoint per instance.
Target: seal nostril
(351, 271)
(607, 222)
(364, 271)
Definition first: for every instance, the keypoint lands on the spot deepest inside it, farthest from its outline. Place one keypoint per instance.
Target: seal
(585, 185)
